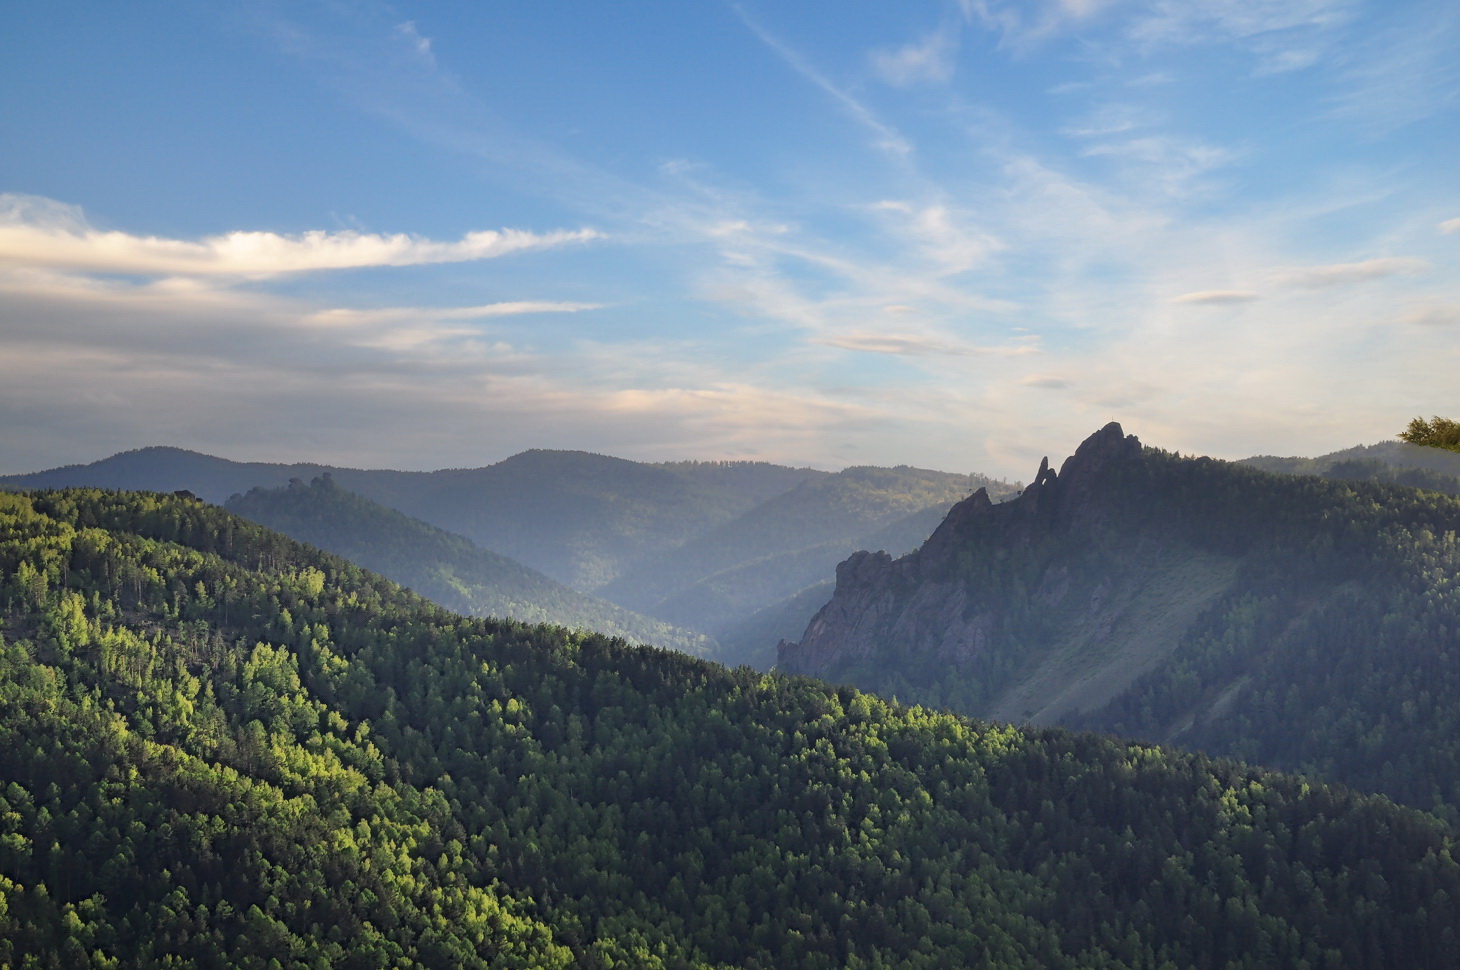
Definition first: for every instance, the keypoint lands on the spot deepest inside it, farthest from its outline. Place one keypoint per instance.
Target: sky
(958, 235)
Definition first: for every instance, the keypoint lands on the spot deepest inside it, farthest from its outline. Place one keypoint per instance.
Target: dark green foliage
(443, 567)
(220, 748)
(1329, 642)
(1436, 433)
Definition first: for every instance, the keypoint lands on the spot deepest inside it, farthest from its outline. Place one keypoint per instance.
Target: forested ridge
(1336, 652)
(1392, 462)
(442, 566)
(713, 557)
(1321, 633)
(222, 748)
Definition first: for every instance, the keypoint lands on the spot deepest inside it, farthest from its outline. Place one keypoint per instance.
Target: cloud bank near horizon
(957, 235)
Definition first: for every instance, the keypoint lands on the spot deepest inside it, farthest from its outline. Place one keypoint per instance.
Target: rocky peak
(875, 594)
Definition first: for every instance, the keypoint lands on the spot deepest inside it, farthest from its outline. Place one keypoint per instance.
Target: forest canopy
(222, 748)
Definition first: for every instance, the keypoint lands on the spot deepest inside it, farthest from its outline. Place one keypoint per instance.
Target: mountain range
(714, 556)
(1288, 620)
(444, 567)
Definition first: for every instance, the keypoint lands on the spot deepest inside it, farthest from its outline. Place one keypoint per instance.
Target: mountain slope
(222, 748)
(789, 542)
(578, 517)
(703, 546)
(1295, 622)
(1392, 462)
(446, 568)
(160, 469)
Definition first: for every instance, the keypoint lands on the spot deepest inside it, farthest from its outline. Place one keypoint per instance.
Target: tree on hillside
(1436, 433)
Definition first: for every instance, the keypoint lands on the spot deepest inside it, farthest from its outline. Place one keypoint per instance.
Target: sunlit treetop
(1438, 432)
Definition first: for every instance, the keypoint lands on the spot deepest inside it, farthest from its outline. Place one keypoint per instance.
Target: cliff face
(1042, 602)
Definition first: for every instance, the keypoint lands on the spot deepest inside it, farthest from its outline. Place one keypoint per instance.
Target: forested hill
(1291, 621)
(724, 549)
(446, 568)
(580, 518)
(220, 748)
(1392, 462)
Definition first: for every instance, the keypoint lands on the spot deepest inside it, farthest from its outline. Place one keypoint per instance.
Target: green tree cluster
(222, 748)
(1436, 433)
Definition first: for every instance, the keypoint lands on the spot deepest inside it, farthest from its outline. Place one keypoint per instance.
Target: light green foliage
(1436, 433)
(221, 762)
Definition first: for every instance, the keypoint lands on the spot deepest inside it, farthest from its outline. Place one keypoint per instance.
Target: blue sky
(957, 235)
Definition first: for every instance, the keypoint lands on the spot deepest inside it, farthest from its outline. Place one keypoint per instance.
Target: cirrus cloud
(1340, 274)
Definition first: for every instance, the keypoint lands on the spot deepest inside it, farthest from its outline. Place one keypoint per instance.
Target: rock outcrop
(923, 600)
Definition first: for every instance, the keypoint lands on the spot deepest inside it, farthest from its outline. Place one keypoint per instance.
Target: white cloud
(1439, 315)
(942, 236)
(46, 233)
(1450, 225)
(1340, 274)
(1025, 23)
(931, 61)
(1216, 297)
(914, 344)
(420, 46)
(343, 317)
(1046, 382)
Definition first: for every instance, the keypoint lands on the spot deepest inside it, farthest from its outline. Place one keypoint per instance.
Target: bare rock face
(921, 599)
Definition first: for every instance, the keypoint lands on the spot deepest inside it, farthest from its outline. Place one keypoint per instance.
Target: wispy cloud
(1450, 225)
(1200, 21)
(1404, 73)
(420, 46)
(1113, 119)
(1439, 315)
(63, 239)
(911, 344)
(886, 137)
(1284, 35)
(1023, 24)
(1217, 297)
(944, 237)
(1170, 161)
(929, 61)
(1046, 382)
(1341, 274)
(343, 317)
